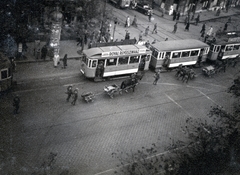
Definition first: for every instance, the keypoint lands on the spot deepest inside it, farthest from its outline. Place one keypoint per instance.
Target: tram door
(100, 69)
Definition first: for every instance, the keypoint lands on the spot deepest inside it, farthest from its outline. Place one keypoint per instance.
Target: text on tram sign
(123, 52)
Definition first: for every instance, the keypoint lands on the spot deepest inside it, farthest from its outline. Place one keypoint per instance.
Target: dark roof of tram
(229, 37)
(185, 44)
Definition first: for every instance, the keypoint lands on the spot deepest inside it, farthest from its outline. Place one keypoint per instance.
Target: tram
(121, 3)
(109, 61)
(226, 46)
(6, 73)
(186, 52)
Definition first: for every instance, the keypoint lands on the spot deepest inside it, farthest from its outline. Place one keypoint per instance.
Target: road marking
(207, 96)
(178, 105)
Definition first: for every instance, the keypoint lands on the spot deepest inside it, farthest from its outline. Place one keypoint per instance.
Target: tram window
(4, 74)
(9, 72)
(176, 54)
(229, 48)
(211, 48)
(134, 59)
(94, 63)
(186, 54)
(123, 60)
(194, 52)
(111, 62)
(147, 58)
(236, 47)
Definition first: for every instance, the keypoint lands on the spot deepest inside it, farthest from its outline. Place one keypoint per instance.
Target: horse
(129, 83)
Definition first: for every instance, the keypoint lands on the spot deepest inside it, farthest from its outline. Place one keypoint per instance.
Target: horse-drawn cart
(88, 96)
(209, 71)
(112, 89)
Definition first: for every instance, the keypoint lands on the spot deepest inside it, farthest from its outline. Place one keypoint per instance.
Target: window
(4, 74)
(147, 58)
(176, 55)
(134, 59)
(111, 62)
(229, 48)
(9, 72)
(185, 54)
(123, 60)
(194, 52)
(236, 47)
(94, 63)
(217, 48)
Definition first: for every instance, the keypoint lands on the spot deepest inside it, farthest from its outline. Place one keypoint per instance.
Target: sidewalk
(70, 47)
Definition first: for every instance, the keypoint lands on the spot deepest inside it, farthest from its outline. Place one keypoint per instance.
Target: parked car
(144, 8)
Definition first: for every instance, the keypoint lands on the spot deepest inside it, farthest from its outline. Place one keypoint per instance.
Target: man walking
(69, 92)
(134, 23)
(75, 96)
(187, 26)
(175, 28)
(150, 16)
(156, 76)
(128, 22)
(44, 52)
(146, 31)
(65, 61)
(16, 102)
(154, 28)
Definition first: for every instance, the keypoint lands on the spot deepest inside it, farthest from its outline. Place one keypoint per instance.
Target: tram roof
(99, 50)
(173, 45)
(230, 37)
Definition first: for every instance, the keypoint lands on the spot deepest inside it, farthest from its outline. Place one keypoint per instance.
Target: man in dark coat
(75, 96)
(64, 61)
(16, 102)
(69, 92)
(44, 52)
(156, 76)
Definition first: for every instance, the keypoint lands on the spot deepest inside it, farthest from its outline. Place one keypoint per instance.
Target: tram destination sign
(123, 52)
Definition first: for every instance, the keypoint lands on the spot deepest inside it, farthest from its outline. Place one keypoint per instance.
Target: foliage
(212, 147)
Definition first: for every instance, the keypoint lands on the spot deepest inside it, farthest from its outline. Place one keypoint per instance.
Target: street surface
(81, 138)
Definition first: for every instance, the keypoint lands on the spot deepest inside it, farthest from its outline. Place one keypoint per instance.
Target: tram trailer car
(227, 46)
(186, 52)
(121, 3)
(6, 73)
(103, 62)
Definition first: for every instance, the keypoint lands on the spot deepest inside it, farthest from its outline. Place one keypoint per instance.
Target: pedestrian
(127, 35)
(174, 15)
(146, 31)
(69, 92)
(150, 16)
(157, 77)
(218, 12)
(178, 16)
(175, 28)
(75, 96)
(186, 20)
(225, 26)
(203, 28)
(166, 39)
(210, 31)
(203, 33)
(140, 36)
(154, 28)
(197, 19)
(44, 52)
(64, 61)
(154, 41)
(13, 63)
(147, 44)
(38, 50)
(16, 103)
(128, 22)
(187, 26)
(79, 41)
(134, 23)
(163, 11)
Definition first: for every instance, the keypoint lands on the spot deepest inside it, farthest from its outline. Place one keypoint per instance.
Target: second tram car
(175, 52)
(102, 62)
(226, 46)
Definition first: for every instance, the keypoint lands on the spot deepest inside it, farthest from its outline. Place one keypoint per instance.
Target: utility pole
(103, 16)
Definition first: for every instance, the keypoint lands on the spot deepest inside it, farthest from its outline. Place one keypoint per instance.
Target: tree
(211, 147)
